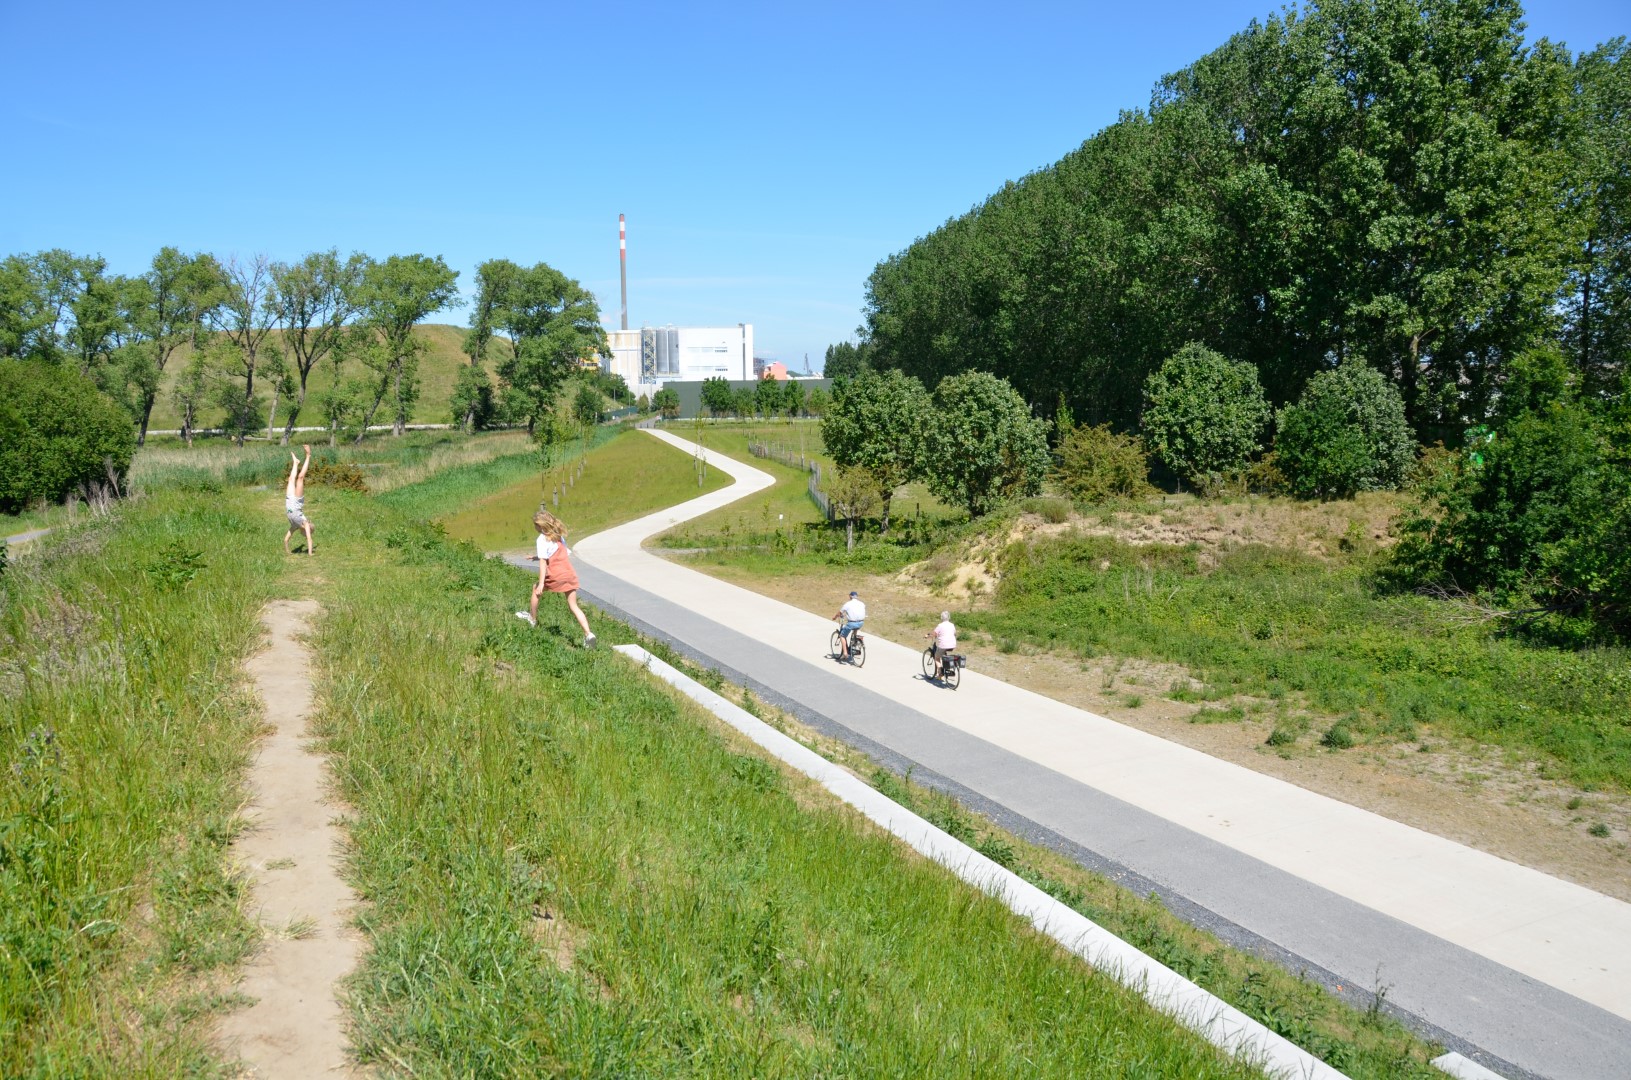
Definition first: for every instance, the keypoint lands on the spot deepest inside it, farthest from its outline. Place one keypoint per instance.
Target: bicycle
(948, 670)
(857, 647)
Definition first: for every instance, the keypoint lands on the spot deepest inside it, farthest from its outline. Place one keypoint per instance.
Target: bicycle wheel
(928, 663)
(857, 650)
(836, 647)
(953, 674)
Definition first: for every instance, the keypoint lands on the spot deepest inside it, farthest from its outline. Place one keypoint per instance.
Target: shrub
(58, 434)
(1541, 521)
(1204, 414)
(338, 475)
(1346, 433)
(1096, 464)
(984, 447)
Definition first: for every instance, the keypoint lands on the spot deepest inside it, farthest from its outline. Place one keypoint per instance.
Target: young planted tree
(853, 492)
(984, 447)
(1204, 414)
(877, 421)
(314, 299)
(393, 297)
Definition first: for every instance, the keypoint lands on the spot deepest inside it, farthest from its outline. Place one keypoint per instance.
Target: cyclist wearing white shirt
(945, 637)
(853, 614)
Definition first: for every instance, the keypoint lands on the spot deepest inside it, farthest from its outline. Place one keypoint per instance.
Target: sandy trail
(296, 1028)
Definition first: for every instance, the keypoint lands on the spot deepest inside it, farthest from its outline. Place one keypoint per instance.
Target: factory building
(653, 356)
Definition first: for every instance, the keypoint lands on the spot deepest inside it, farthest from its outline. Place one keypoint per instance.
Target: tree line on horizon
(1407, 182)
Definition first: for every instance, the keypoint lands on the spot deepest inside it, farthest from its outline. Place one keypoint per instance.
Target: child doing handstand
(294, 501)
(555, 573)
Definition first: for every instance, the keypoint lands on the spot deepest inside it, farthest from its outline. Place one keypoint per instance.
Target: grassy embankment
(124, 732)
(1363, 1042)
(541, 832)
(570, 870)
(626, 477)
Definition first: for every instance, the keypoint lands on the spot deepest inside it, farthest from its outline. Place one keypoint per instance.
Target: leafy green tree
(392, 298)
(246, 318)
(877, 422)
(793, 397)
(58, 434)
(845, 360)
(1346, 433)
(743, 401)
(1598, 307)
(472, 406)
(191, 393)
(314, 299)
(181, 291)
(817, 402)
(767, 397)
(643, 403)
(1096, 463)
(667, 402)
(586, 406)
(983, 447)
(717, 397)
(1204, 414)
(37, 297)
(551, 321)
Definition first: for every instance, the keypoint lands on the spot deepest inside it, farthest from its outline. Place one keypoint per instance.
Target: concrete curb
(1214, 1019)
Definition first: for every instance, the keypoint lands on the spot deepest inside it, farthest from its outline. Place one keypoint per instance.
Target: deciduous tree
(984, 447)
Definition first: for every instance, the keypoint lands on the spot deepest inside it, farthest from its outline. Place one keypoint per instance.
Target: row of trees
(767, 398)
(1406, 183)
(253, 331)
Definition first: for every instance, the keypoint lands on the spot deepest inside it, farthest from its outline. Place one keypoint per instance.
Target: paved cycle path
(1514, 967)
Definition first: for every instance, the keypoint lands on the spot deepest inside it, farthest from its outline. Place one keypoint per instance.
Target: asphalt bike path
(1511, 966)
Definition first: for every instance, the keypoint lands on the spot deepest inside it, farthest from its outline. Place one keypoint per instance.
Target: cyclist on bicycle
(945, 639)
(852, 614)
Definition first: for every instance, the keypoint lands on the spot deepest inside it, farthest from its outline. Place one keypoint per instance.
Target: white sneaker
(526, 617)
(589, 642)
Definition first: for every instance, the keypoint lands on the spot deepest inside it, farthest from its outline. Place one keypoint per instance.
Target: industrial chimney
(623, 266)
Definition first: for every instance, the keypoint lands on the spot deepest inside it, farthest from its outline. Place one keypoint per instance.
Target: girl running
(555, 573)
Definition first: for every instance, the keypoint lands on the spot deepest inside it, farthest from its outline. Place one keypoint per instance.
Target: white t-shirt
(854, 611)
(945, 635)
(546, 547)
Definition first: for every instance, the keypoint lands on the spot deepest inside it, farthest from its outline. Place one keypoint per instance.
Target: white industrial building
(652, 356)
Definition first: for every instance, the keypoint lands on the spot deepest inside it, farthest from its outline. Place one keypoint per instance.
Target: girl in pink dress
(555, 573)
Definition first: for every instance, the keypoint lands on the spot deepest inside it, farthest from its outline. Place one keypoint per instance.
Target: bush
(58, 434)
(339, 475)
(983, 447)
(1346, 433)
(1096, 464)
(1204, 414)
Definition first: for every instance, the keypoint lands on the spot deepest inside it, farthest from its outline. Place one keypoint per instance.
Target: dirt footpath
(292, 848)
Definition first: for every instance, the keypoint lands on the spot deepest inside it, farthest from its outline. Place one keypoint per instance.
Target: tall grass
(124, 731)
(569, 871)
(1305, 634)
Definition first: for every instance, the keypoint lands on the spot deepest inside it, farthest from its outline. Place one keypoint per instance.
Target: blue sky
(767, 156)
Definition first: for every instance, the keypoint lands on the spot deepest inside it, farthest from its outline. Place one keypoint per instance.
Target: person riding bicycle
(945, 639)
(852, 614)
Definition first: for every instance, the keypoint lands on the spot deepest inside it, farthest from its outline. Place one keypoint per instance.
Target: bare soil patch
(295, 1028)
(1470, 794)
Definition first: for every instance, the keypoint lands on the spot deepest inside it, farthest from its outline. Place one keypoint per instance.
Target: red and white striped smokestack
(623, 266)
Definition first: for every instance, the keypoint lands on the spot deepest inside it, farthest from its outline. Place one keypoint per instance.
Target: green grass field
(630, 475)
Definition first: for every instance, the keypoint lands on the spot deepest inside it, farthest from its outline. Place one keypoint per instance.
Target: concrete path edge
(1212, 1018)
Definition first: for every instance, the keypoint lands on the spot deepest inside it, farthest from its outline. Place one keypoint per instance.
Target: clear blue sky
(767, 156)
